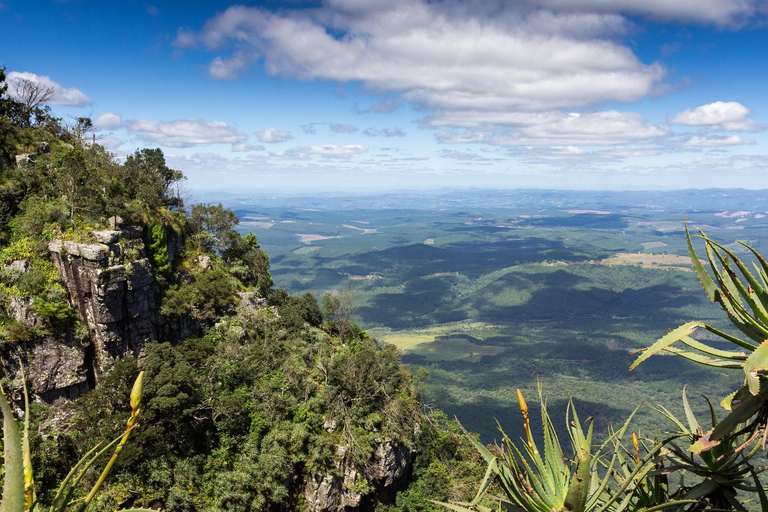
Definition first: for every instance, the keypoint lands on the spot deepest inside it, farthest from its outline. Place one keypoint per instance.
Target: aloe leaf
(712, 412)
(727, 425)
(29, 482)
(760, 294)
(735, 307)
(14, 498)
(736, 341)
(702, 347)
(704, 278)
(692, 423)
(452, 506)
(666, 341)
(704, 359)
(490, 475)
(755, 363)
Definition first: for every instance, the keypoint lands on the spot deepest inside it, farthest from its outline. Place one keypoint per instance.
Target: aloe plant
(592, 480)
(722, 471)
(19, 487)
(744, 298)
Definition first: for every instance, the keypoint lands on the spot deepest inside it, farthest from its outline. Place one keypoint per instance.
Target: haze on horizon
(343, 95)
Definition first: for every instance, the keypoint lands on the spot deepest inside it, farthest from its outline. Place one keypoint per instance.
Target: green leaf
(755, 363)
(666, 341)
(727, 354)
(704, 278)
(14, 498)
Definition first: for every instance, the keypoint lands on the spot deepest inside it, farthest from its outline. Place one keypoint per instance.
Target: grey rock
(115, 222)
(116, 301)
(107, 236)
(20, 265)
(25, 159)
(204, 262)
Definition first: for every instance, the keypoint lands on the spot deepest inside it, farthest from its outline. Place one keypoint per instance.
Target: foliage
(530, 480)
(158, 248)
(19, 494)
(209, 295)
(745, 301)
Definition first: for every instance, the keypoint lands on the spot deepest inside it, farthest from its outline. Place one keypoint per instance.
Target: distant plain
(493, 290)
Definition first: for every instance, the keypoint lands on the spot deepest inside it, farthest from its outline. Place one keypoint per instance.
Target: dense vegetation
(275, 393)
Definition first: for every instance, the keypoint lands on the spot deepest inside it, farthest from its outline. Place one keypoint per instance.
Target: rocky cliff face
(340, 488)
(111, 285)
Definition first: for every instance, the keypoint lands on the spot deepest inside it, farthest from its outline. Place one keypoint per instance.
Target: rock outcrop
(343, 488)
(112, 287)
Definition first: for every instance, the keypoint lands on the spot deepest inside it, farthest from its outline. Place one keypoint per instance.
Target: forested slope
(253, 399)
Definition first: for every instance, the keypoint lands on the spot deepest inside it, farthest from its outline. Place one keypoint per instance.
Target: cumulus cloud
(309, 129)
(271, 135)
(343, 128)
(711, 142)
(67, 96)
(438, 54)
(230, 68)
(720, 115)
(395, 131)
(185, 132)
(108, 121)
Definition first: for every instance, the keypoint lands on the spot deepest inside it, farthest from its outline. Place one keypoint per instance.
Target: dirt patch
(308, 238)
(647, 246)
(364, 231)
(659, 261)
(258, 224)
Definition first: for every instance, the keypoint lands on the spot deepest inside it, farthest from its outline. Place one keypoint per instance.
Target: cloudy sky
(391, 94)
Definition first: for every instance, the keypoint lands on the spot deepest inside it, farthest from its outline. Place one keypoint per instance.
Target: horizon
(374, 96)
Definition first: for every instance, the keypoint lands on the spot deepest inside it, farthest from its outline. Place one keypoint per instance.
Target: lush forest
(256, 399)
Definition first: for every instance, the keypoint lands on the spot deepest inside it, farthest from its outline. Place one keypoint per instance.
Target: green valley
(491, 291)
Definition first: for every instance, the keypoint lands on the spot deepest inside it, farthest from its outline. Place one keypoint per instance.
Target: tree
(212, 227)
(149, 180)
(29, 107)
(31, 93)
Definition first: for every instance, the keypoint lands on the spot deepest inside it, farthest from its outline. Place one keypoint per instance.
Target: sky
(380, 95)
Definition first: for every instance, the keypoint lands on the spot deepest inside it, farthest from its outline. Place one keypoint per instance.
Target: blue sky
(344, 95)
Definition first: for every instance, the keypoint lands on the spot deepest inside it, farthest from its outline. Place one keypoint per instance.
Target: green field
(492, 291)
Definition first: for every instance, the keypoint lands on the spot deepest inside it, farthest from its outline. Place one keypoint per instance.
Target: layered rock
(343, 488)
(112, 287)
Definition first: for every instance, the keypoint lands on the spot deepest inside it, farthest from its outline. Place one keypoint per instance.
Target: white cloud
(108, 121)
(245, 147)
(720, 115)
(717, 12)
(604, 128)
(331, 150)
(309, 129)
(184, 132)
(439, 54)
(395, 131)
(228, 69)
(711, 142)
(67, 96)
(343, 128)
(271, 135)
